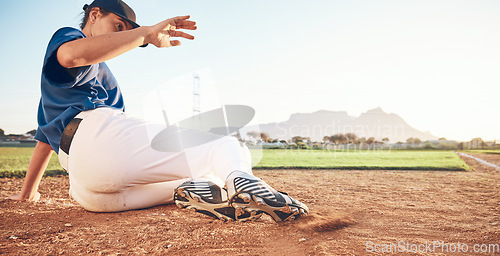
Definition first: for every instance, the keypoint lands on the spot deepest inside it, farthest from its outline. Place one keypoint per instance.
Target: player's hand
(162, 32)
(19, 197)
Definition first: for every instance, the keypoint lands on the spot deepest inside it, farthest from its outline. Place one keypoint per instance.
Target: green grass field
(483, 151)
(14, 161)
(362, 160)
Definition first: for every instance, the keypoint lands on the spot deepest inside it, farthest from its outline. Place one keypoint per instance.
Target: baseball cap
(117, 7)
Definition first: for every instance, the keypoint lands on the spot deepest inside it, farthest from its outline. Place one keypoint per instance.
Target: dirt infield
(352, 212)
(491, 158)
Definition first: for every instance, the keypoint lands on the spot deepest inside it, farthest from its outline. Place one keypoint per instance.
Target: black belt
(68, 134)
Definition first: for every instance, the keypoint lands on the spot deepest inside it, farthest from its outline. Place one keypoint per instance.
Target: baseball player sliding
(108, 155)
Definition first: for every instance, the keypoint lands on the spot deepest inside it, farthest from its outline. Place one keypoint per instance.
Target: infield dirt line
(480, 160)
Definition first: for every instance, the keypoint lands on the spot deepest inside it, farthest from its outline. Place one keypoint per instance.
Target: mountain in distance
(373, 123)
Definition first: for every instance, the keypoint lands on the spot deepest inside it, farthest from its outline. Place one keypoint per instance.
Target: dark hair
(86, 14)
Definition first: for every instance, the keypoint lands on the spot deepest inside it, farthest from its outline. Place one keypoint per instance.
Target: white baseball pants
(112, 166)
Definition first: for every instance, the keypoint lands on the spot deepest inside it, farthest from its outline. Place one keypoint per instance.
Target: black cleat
(251, 194)
(208, 198)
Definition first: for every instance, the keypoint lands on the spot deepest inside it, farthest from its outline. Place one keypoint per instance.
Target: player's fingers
(186, 24)
(179, 18)
(175, 43)
(37, 197)
(175, 33)
(187, 27)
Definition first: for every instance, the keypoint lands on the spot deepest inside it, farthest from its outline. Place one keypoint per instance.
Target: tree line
(351, 139)
(2, 133)
(337, 139)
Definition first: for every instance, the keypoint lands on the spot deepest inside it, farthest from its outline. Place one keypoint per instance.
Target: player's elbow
(66, 58)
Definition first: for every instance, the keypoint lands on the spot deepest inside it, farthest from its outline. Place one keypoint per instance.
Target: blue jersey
(67, 92)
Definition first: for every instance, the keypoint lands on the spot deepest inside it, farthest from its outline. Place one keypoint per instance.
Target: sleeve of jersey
(40, 136)
(59, 75)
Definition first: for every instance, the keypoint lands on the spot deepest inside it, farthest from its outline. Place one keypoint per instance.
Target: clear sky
(434, 63)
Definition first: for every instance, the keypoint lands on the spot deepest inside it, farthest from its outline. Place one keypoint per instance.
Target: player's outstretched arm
(36, 168)
(100, 48)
